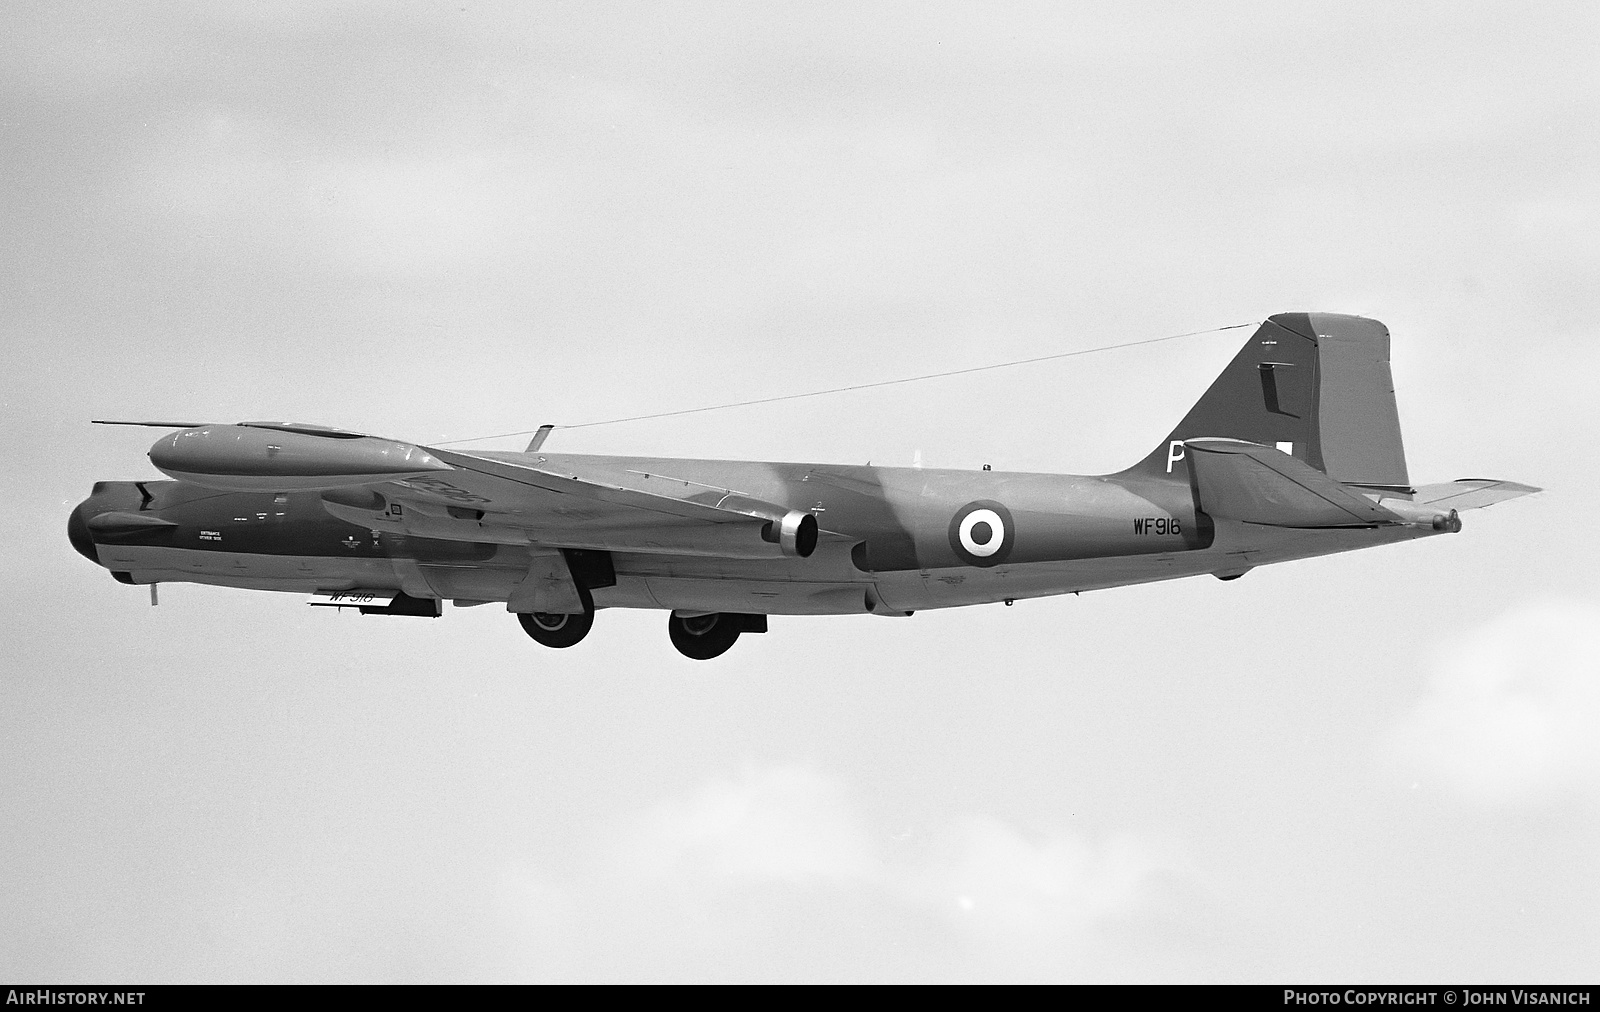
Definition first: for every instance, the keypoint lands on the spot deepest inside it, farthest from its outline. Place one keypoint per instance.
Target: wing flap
(1258, 484)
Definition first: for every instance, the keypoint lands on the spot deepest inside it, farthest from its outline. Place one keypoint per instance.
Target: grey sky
(435, 222)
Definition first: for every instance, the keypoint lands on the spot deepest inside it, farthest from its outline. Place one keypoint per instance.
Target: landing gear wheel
(555, 630)
(703, 637)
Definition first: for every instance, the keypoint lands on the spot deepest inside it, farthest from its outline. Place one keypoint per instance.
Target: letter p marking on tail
(1174, 453)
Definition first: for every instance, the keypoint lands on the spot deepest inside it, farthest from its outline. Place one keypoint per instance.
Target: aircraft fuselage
(893, 543)
(1294, 451)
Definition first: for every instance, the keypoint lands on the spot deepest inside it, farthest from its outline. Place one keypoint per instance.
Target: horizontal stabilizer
(1471, 493)
(1258, 484)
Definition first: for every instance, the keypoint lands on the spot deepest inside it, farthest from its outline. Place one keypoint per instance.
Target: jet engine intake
(795, 533)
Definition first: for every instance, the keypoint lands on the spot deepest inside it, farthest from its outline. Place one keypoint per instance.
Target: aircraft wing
(652, 493)
(519, 498)
(1258, 484)
(496, 497)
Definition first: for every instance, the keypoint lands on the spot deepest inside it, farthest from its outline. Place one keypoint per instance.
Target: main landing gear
(555, 630)
(702, 637)
(697, 636)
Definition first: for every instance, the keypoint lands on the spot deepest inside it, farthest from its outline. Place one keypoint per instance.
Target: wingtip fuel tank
(270, 456)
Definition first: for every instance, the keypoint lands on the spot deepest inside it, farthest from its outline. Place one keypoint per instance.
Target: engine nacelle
(795, 533)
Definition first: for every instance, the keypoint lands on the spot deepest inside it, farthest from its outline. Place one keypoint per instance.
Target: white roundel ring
(982, 532)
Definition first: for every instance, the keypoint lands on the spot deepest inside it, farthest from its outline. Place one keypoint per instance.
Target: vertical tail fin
(1315, 385)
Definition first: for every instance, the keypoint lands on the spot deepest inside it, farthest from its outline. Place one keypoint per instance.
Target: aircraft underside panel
(469, 583)
(776, 588)
(770, 597)
(1238, 548)
(291, 573)
(685, 584)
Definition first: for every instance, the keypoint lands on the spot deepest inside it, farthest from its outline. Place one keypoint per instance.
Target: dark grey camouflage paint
(686, 534)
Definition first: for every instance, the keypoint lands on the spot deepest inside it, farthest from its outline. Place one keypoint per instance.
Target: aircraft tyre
(704, 636)
(555, 630)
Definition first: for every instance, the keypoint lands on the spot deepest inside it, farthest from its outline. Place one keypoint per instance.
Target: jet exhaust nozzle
(795, 533)
(1422, 514)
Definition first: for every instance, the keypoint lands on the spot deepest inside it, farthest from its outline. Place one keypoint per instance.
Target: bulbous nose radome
(78, 533)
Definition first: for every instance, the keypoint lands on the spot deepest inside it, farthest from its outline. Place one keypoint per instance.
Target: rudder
(1315, 385)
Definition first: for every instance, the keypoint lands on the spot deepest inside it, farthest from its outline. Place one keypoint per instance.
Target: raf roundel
(982, 533)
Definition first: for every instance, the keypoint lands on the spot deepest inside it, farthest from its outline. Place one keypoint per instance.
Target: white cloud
(1513, 709)
(996, 882)
(784, 824)
(773, 873)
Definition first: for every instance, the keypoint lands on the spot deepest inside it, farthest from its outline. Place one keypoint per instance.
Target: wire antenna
(855, 386)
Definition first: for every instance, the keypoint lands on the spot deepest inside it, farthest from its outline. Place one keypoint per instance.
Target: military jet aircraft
(1293, 452)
